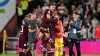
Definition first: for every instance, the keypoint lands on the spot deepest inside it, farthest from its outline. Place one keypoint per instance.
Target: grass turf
(41, 55)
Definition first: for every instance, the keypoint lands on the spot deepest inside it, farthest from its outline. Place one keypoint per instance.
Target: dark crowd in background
(89, 13)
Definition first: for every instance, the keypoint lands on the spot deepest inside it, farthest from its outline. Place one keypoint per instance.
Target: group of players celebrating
(50, 31)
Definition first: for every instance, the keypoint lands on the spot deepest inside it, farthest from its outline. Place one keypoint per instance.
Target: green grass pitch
(41, 55)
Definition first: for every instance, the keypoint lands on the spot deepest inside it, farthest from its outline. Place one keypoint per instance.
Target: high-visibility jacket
(20, 11)
(24, 5)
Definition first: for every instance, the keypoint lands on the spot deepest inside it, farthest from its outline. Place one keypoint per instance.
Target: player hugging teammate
(54, 36)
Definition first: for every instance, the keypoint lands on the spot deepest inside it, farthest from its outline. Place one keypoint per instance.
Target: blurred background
(12, 12)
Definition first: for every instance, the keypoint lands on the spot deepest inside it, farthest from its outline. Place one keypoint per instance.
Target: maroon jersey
(49, 23)
(23, 39)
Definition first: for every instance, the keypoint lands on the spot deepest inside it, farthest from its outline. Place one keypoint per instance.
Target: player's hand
(65, 34)
(30, 30)
(65, 22)
(47, 35)
(56, 17)
(35, 29)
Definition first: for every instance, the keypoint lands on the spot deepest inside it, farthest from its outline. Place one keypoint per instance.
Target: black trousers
(77, 45)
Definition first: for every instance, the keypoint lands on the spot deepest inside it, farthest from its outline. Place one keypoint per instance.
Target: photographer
(74, 33)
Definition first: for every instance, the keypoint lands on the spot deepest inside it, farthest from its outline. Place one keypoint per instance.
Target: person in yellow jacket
(24, 5)
(20, 11)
